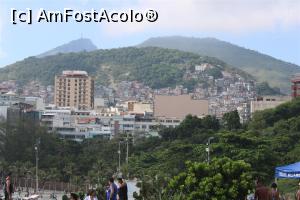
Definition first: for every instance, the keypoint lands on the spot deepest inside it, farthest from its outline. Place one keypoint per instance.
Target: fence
(24, 184)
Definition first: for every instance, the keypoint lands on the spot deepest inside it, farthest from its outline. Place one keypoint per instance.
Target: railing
(28, 184)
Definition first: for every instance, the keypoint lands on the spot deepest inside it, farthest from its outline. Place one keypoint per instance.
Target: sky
(268, 26)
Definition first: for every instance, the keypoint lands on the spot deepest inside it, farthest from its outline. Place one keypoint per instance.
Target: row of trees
(270, 139)
(173, 164)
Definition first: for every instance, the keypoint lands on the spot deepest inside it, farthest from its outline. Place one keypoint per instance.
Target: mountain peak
(261, 66)
(74, 46)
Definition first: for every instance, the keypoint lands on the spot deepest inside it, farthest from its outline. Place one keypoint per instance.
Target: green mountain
(261, 66)
(74, 46)
(156, 67)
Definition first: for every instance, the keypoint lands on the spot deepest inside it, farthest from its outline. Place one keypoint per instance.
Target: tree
(231, 120)
(215, 72)
(222, 179)
(211, 122)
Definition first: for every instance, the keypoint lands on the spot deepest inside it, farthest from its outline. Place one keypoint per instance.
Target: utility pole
(208, 149)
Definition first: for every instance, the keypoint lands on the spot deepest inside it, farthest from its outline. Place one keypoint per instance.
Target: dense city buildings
(80, 110)
(74, 89)
(296, 86)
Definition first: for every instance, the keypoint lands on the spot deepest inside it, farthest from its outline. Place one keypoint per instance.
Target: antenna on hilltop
(81, 36)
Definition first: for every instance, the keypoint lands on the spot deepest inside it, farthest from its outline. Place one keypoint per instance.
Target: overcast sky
(269, 26)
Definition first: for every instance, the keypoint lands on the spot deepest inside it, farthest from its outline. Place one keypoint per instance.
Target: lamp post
(208, 148)
(36, 168)
(36, 148)
(119, 152)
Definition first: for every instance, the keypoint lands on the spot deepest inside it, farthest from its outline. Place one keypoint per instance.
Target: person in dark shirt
(274, 194)
(113, 189)
(261, 191)
(123, 190)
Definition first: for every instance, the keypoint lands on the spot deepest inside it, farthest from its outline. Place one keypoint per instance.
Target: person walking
(107, 192)
(123, 190)
(261, 191)
(274, 194)
(113, 189)
(91, 195)
(8, 188)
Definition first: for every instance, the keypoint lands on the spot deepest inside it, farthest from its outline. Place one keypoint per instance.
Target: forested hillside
(155, 67)
(261, 66)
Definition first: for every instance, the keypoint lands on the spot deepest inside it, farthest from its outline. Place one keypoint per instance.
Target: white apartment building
(75, 125)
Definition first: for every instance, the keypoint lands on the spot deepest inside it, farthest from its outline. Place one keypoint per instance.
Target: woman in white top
(91, 196)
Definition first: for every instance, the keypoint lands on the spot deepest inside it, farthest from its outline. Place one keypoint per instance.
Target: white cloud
(214, 15)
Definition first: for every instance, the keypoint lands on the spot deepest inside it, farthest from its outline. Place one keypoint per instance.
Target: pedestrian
(8, 188)
(113, 189)
(274, 194)
(107, 192)
(261, 191)
(298, 193)
(123, 190)
(91, 195)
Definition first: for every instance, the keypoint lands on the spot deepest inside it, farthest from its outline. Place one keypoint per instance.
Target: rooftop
(74, 73)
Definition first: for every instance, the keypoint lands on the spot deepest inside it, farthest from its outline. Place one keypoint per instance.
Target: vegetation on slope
(263, 67)
(153, 66)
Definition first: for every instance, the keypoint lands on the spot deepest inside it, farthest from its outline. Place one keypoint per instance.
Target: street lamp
(127, 151)
(119, 152)
(36, 148)
(36, 168)
(208, 148)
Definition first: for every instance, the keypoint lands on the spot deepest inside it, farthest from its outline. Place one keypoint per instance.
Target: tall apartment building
(74, 89)
(296, 86)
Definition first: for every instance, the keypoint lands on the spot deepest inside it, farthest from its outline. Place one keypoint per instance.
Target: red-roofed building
(296, 86)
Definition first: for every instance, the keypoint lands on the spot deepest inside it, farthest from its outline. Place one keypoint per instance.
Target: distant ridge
(153, 66)
(261, 66)
(75, 46)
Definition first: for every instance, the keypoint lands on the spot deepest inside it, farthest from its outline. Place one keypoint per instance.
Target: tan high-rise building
(74, 89)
